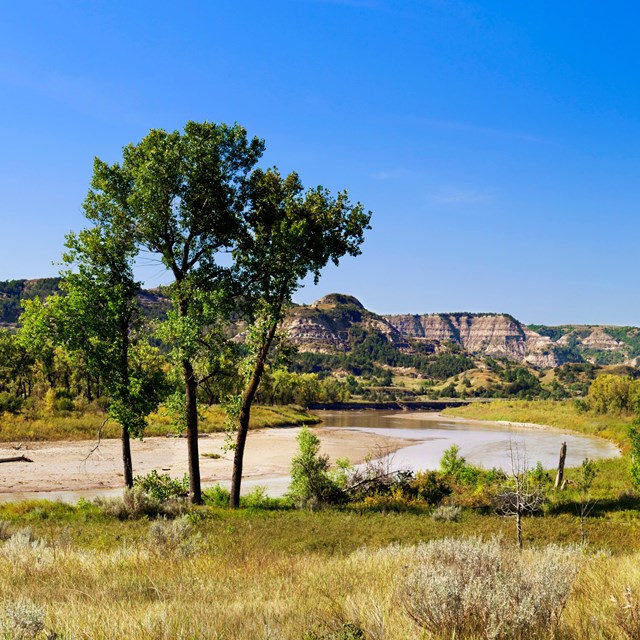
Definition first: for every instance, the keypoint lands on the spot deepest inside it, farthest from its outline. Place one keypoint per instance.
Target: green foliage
(446, 365)
(311, 482)
(630, 336)
(279, 386)
(521, 383)
(13, 292)
(456, 469)
(429, 487)
(634, 440)
(555, 333)
(216, 496)
(258, 499)
(452, 463)
(587, 474)
(614, 394)
(16, 365)
(162, 487)
(604, 357)
(10, 403)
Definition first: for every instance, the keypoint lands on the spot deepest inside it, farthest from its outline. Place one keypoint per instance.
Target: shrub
(634, 438)
(216, 496)
(455, 466)
(5, 529)
(346, 631)
(470, 588)
(258, 499)
(429, 486)
(24, 549)
(173, 536)
(134, 504)
(311, 483)
(10, 403)
(64, 404)
(22, 620)
(447, 513)
(162, 486)
(627, 613)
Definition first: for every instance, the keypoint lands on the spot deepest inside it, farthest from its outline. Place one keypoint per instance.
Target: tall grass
(202, 580)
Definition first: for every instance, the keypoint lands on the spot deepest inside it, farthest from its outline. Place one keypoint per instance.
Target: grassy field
(272, 572)
(84, 426)
(266, 574)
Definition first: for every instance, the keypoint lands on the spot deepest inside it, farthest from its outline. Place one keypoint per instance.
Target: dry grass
(235, 584)
(84, 426)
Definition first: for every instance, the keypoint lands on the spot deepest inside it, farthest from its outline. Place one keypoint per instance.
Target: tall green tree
(16, 365)
(289, 234)
(181, 196)
(98, 320)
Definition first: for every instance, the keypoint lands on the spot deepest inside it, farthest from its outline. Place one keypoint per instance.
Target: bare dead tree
(522, 496)
(376, 475)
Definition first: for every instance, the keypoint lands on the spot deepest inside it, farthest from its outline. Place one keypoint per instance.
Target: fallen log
(16, 459)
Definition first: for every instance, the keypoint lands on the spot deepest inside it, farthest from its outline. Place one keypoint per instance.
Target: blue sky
(495, 142)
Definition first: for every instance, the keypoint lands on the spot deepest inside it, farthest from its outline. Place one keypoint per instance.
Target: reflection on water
(485, 445)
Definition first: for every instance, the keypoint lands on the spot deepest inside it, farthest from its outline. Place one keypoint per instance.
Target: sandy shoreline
(437, 416)
(61, 466)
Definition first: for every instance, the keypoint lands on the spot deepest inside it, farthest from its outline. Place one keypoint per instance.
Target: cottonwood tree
(180, 196)
(288, 235)
(98, 319)
(16, 366)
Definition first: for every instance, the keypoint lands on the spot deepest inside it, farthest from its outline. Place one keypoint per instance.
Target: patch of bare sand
(63, 466)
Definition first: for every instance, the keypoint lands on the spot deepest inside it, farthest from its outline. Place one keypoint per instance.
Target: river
(486, 444)
(428, 435)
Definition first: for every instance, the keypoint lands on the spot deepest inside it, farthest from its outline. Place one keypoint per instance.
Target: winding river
(485, 444)
(426, 436)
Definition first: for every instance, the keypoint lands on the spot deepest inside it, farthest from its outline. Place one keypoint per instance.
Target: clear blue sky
(497, 143)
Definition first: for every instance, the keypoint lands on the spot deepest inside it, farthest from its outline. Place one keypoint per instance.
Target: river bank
(558, 414)
(67, 466)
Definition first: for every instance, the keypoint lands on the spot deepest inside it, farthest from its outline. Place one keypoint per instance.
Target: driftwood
(16, 459)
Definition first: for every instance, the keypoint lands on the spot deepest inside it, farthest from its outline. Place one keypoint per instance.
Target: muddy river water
(485, 444)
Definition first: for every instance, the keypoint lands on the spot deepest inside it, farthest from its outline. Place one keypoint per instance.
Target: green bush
(429, 486)
(311, 483)
(10, 403)
(216, 496)
(162, 487)
(64, 404)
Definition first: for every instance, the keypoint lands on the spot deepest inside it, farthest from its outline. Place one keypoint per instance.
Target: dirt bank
(64, 466)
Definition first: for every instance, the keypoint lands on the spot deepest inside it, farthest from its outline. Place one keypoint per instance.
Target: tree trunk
(191, 386)
(245, 414)
(519, 528)
(127, 461)
(124, 375)
(560, 474)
